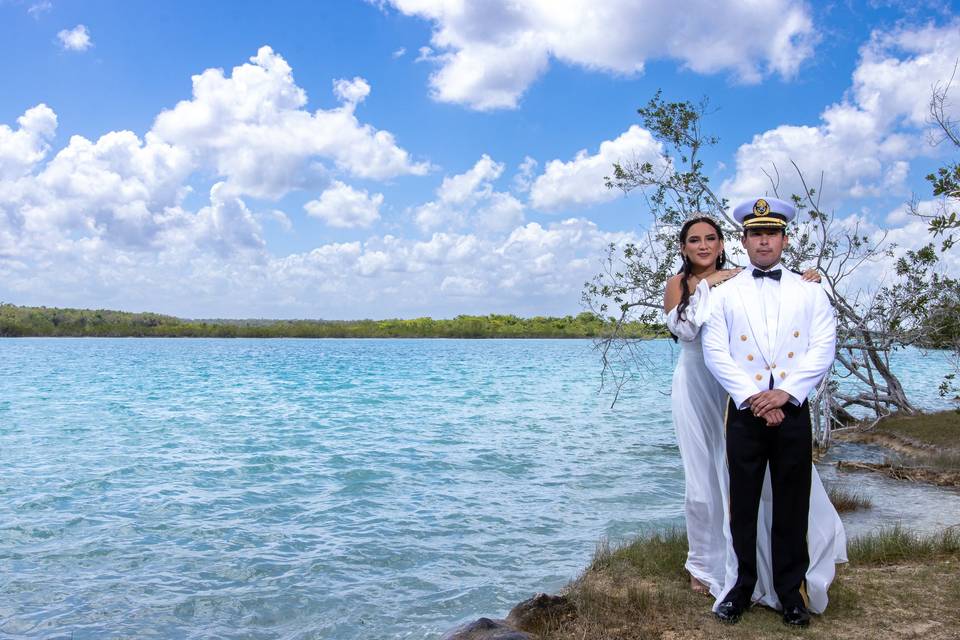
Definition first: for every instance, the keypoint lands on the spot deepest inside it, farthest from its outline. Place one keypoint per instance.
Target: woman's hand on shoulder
(811, 275)
(717, 277)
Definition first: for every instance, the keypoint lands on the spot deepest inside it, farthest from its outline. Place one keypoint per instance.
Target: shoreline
(624, 595)
(639, 590)
(922, 448)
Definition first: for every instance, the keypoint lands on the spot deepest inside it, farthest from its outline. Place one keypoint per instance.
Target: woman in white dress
(698, 402)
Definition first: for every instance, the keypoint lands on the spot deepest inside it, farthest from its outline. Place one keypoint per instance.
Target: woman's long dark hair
(687, 268)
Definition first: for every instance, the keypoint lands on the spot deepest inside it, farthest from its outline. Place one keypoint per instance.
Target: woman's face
(703, 245)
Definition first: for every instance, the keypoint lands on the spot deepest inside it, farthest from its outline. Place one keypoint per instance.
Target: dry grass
(656, 554)
(846, 500)
(943, 461)
(898, 585)
(897, 544)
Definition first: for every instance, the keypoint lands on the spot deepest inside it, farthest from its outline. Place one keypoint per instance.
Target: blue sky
(156, 156)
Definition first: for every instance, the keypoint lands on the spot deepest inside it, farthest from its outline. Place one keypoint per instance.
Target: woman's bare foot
(698, 587)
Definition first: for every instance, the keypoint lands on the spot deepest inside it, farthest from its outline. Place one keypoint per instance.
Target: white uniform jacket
(735, 345)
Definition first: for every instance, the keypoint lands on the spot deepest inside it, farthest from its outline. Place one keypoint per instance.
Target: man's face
(764, 246)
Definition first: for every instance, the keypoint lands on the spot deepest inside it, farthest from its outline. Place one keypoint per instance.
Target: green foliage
(946, 184)
(946, 180)
(674, 188)
(941, 325)
(18, 321)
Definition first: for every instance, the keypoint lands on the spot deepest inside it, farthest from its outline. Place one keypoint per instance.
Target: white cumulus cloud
(251, 127)
(227, 225)
(489, 53)
(530, 269)
(910, 233)
(120, 188)
(523, 179)
(351, 91)
(862, 144)
(534, 269)
(345, 207)
(122, 196)
(580, 182)
(21, 150)
(76, 39)
(470, 197)
(500, 212)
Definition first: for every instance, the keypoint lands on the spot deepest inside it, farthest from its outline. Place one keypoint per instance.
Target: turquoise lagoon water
(337, 489)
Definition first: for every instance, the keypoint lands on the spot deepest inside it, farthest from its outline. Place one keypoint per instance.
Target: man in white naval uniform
(770, 339)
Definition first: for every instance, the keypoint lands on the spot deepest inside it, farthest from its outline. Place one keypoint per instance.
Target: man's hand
(773, 417)
(763, 402)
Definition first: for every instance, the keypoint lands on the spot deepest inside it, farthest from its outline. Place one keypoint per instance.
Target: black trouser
(751, 445)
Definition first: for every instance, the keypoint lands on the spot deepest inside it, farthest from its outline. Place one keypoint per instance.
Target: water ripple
(339, 489)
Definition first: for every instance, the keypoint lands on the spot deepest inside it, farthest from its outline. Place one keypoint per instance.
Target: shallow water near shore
(915, 506)
(338, 489)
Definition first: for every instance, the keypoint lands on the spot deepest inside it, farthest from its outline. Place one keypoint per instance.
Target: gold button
(790, 355)
(744, 338)
(783, 374)
(796, 334)
(773, 366)
(759, 377)
(750, 357)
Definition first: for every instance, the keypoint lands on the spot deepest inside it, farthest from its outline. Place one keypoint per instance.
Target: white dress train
(698, 402)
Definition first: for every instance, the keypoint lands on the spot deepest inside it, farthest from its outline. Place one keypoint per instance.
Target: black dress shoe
(729, 612)
(796, 616)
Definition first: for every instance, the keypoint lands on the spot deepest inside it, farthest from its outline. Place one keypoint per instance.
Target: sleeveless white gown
(698, 402)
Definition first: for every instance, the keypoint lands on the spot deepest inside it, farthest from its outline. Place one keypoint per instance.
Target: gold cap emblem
(761, 208)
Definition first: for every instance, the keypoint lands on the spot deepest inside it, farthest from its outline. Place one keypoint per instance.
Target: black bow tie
(774, 275)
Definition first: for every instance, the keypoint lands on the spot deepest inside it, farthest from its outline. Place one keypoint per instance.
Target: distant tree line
(17, 321)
